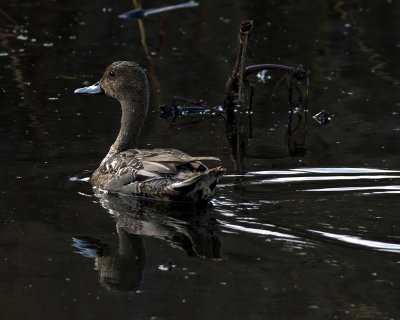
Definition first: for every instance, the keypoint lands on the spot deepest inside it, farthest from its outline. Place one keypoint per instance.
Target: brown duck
(163, 174)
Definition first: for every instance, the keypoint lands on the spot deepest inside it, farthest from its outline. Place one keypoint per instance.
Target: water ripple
(345, 170)
(338, 170)
(321, 175)
(256, 231)
(378, 245)
(394, 188)
(325, 178)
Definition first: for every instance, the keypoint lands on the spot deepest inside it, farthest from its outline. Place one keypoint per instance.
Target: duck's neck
(134, 112)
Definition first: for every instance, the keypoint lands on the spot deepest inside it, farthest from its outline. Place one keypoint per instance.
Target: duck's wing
(168, 162)
(172, 156)
(141, 164)
(118, 170)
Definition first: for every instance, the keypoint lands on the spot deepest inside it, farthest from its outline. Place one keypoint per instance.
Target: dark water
(306, 233)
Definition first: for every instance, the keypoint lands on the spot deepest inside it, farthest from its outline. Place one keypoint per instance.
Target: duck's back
(166, 174)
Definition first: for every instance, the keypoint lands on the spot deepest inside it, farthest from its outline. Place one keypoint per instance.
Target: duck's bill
(93, 89)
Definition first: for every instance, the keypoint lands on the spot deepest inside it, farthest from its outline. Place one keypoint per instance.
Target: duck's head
(122, 80)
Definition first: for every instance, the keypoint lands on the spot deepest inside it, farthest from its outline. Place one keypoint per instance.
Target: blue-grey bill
(93, 89)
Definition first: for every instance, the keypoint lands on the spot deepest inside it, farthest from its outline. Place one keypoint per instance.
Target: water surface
(307, 230)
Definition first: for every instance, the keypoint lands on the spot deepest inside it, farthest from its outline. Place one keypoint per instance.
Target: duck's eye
(112, 74)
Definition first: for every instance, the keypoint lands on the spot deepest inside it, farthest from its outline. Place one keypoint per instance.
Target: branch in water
(297, 72)
(235, 84)
(183, 107)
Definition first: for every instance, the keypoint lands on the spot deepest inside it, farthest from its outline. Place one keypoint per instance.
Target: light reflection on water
(315, 170)
(393, 188)
(259, 225)
(344, 170)
(330, 174)
(325, 178)
(261, 229)
(256, 230)
(378, 245)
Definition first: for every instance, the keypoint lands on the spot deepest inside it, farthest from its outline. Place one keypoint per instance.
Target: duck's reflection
(119, 268)
(184, 226)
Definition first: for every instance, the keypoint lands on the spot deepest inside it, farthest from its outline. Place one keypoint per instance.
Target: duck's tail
(198, 187)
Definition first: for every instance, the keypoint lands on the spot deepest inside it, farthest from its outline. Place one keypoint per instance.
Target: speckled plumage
(164, 174)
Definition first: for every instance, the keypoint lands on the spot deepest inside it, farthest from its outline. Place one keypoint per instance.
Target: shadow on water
(190, 228)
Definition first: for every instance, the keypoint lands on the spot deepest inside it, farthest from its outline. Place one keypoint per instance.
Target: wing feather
(140, 164)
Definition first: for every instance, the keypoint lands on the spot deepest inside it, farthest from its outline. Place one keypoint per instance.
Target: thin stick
(235, 84)
(9, 18)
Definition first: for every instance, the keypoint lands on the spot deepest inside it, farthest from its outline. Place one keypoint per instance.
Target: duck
(161, 173)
